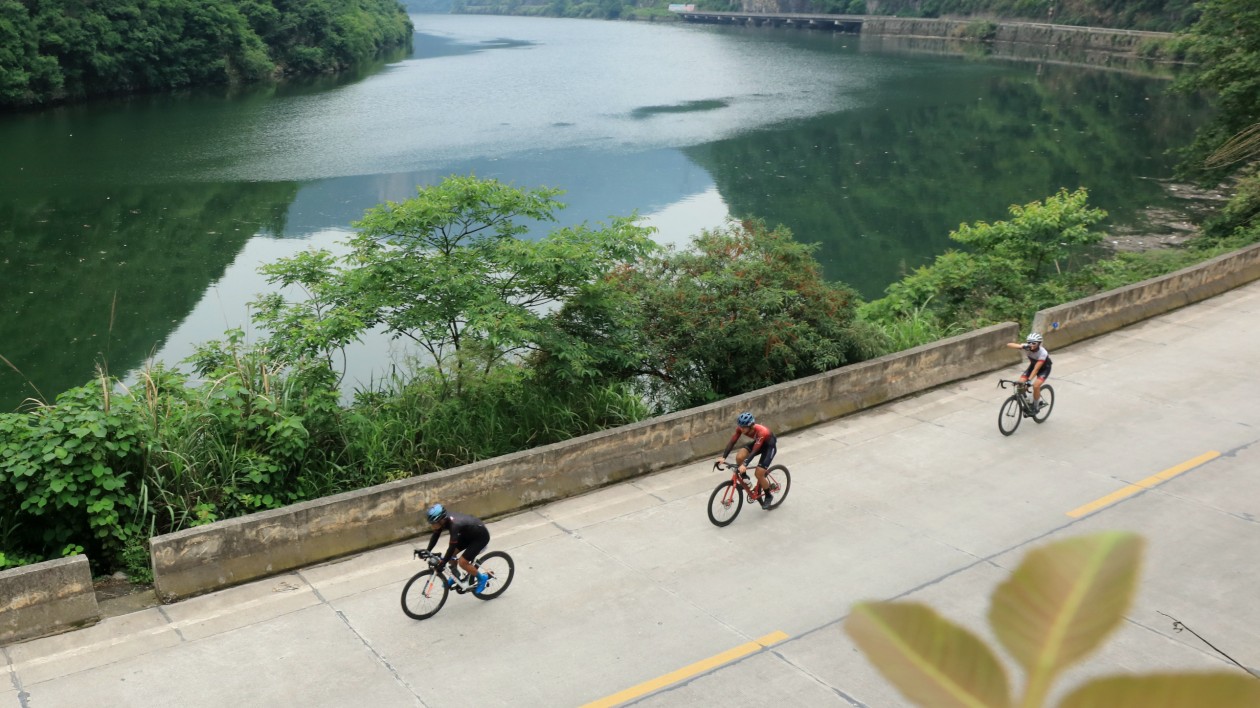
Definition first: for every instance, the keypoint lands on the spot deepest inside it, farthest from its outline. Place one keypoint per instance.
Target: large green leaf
(1062, 601)
(932, 661)
(1218, 690)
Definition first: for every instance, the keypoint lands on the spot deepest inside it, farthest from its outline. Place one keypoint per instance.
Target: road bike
(1020, 405)
(728, 498)
(427, 590)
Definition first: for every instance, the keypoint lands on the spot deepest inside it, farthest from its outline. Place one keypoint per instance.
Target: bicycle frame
(1023, 388)
(442, 570)
(754, 491)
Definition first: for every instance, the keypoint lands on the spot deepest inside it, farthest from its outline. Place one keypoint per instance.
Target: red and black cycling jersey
(761, 435)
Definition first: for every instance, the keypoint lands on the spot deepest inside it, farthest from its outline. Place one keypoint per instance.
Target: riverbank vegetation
(1148, 15)
(526, 342)
(67, 50)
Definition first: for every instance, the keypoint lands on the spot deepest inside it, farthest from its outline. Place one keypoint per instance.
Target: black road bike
(1020, 405)
(427, 590)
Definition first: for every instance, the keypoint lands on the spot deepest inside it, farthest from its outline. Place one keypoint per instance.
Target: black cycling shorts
(1043, 374)
(766, 454)
(475, 543)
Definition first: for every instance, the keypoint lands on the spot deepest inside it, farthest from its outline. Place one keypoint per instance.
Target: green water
(133, 228)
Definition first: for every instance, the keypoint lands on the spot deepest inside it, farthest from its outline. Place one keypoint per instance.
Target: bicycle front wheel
(499, 566)
(780, 484)
(1010, 415)
(424, 595)
(725, 503)
(1047, 398)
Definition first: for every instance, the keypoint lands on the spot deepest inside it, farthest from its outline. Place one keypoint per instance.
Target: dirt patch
(117, 585)
(1164, 227)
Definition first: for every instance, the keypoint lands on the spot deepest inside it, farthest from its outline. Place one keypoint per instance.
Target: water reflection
(134, 227)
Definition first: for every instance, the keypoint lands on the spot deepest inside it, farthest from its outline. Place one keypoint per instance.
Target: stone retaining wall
(46, 598)
(1063, 36)
(233, 551)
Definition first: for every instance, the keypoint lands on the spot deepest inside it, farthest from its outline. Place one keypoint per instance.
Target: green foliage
(998, 279)
(1241, 214)
(980, 30)
(1056, 608)
(1224, 46)
(73, 49)
(745, 307)
(446, 271)
(65, 473)
(1038, 234)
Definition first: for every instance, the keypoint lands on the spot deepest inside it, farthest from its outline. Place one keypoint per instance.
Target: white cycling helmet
(1033, 337)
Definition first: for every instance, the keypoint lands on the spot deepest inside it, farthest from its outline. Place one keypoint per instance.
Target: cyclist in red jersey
(763, 443)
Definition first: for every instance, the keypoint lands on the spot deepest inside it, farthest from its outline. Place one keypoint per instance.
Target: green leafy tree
(1004, 275)
(1225, 46)
(448, 271)
(745, 307)
(1056, 608)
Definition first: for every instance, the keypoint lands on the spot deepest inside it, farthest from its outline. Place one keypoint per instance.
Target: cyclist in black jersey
(468, 534)
(1039, 364)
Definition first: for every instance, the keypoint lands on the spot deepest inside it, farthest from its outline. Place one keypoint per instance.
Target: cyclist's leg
(742, 453)
(469, 554)
(1037, 382)
(763, 463)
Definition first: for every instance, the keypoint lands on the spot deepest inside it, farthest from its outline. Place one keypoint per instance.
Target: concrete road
(630, 594)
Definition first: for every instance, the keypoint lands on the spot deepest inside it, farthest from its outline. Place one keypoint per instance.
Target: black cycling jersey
(468, 533)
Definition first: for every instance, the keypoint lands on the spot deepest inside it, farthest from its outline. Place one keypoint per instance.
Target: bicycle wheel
(424, 595)
(1047, 397)
(725, 503)
(780, 484)
(1010, 415)
(499, 566)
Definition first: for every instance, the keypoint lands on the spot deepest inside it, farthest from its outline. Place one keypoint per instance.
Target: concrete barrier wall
(225, 553)
(1092, 316)
(46, 598)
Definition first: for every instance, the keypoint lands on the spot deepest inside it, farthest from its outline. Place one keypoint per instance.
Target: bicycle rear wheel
(499, 566)
(1047, 397)
(780, 484)
(1010, 415)
(424, 595)
(725, 503)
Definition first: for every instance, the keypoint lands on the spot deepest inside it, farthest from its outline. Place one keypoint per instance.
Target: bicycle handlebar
(432, 559)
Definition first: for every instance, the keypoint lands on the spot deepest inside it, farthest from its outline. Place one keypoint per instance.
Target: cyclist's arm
(1036, 368)
(433, 540)
(1016, 345)
(730, 446)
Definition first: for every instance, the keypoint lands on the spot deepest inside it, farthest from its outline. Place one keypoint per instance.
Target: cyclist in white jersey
(1038, 365)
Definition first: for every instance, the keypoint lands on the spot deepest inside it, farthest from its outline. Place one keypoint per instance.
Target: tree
(447, 270)
(1225, 47)
(993, 281)
(745, 307)
(1039, 233)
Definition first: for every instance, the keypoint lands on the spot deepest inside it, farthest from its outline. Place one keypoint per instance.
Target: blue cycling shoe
(482, 579)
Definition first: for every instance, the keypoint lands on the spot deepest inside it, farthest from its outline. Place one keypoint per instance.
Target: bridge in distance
(629, 595)
(835, 23)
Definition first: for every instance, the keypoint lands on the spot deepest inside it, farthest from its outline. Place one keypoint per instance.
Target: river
(133, 228)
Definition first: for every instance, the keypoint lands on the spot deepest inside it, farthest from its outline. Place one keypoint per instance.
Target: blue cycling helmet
(745, 419)
(436, 514)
